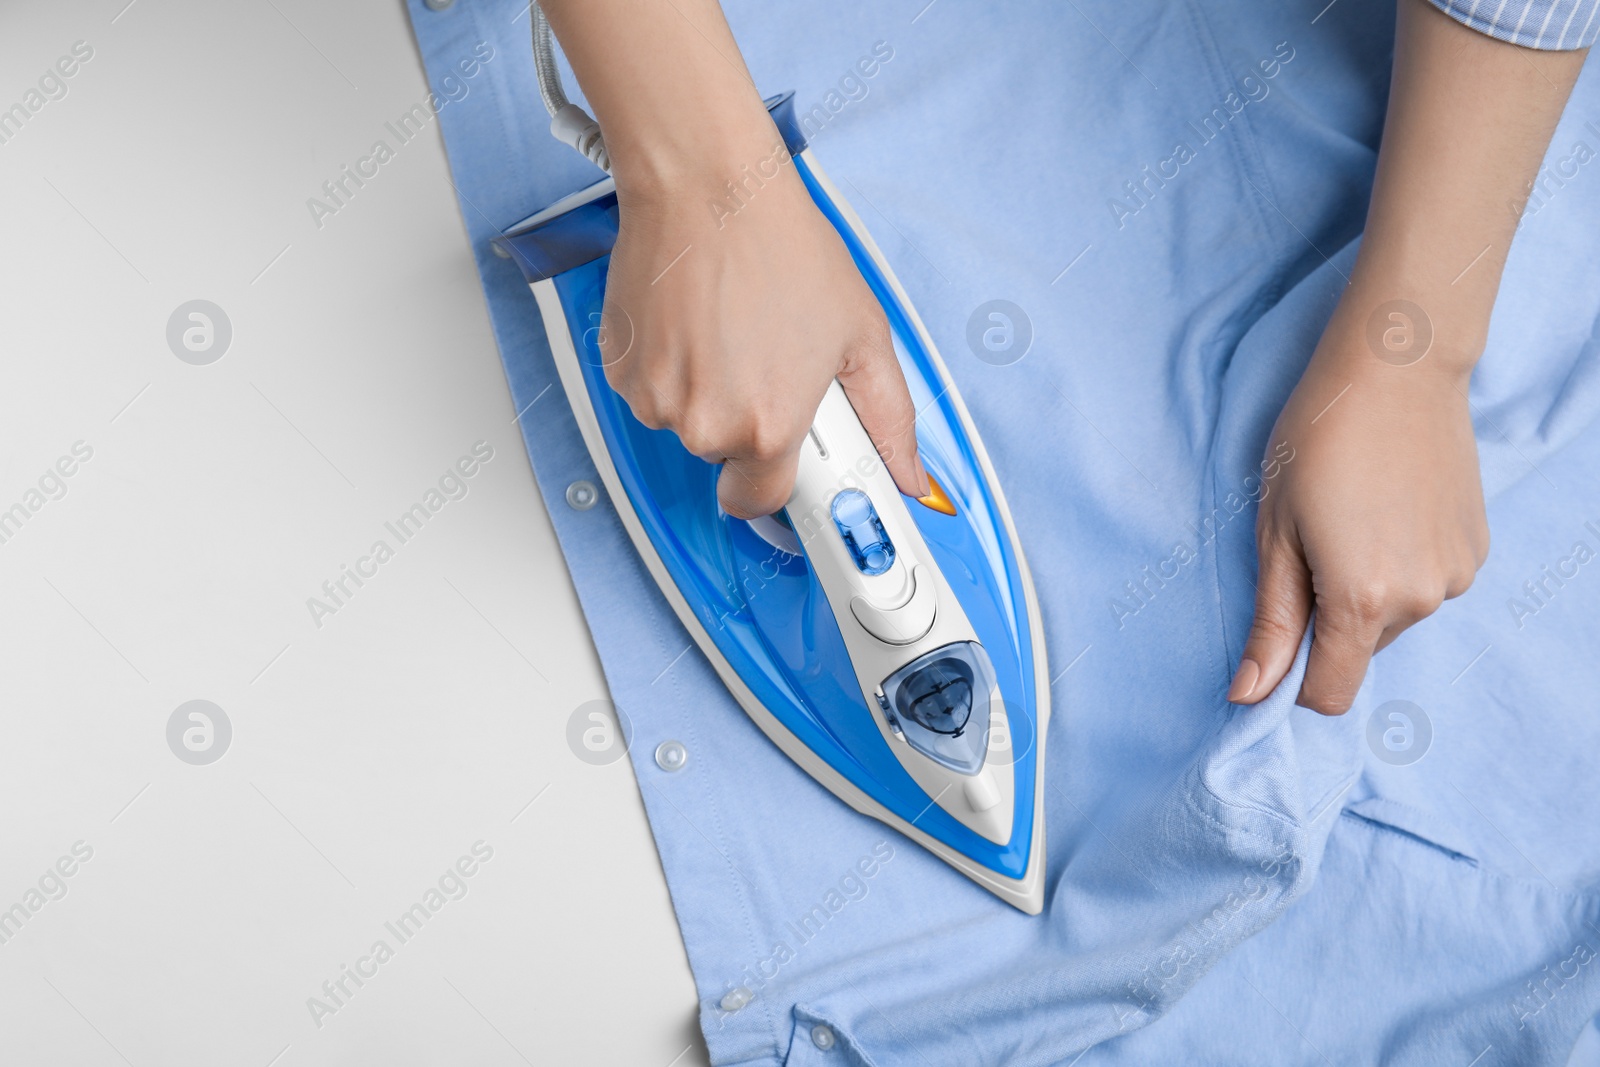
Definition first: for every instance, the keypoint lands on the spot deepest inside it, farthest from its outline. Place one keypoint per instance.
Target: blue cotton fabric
(1225, 885)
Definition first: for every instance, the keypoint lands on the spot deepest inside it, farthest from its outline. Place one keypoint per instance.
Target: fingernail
(937, 498)
(1244, 682)
(922, 479)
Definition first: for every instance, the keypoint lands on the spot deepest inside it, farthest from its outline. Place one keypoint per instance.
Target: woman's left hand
(1378, 517)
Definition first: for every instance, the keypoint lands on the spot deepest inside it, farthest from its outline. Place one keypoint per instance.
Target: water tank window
(863, 532)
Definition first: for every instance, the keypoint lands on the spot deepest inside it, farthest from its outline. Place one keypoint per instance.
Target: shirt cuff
(1548, 25)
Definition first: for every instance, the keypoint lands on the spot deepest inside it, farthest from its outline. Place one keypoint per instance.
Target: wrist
(1408, 317)
(668, 87)
(668, 159)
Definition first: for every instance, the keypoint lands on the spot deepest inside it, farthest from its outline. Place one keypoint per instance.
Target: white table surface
(367, 754)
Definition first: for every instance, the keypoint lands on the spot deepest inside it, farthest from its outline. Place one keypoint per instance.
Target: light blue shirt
(1173, 194)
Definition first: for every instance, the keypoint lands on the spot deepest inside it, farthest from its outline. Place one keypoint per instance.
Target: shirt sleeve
(1551, 25)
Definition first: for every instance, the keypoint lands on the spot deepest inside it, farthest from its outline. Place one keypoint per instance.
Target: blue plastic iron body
(760, 610)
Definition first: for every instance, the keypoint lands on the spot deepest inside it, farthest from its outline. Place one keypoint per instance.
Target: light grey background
(367, 755)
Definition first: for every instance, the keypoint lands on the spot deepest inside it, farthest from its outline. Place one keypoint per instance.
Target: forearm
(667, 85)
(1468, 123)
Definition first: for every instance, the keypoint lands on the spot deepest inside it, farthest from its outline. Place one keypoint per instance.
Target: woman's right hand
(726, 319)
(731, 302)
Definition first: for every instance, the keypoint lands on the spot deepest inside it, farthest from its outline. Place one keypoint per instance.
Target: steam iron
(891, 647)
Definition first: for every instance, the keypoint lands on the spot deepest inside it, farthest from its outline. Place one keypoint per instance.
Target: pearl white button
(736, 998)
(822, 1036)
(671, 755)
(582, 495)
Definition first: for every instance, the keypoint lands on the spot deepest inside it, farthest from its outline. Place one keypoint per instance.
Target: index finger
(1343, 641)
(751, 486)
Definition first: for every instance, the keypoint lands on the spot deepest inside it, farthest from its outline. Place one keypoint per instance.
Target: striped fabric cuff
(1552, 25)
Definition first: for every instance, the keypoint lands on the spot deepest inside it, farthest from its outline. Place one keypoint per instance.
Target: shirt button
(671, 756)
(736, 998)
(822, 1036)
(582, 495)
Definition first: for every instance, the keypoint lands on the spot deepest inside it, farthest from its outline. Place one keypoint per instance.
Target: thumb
(872, 380)
(1283, 608)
